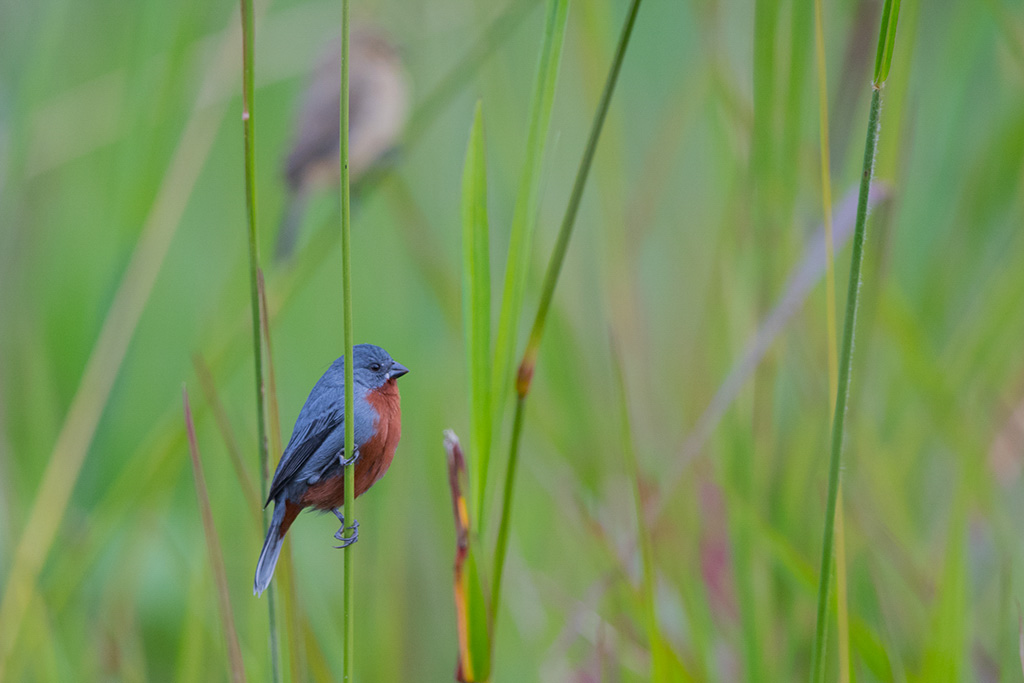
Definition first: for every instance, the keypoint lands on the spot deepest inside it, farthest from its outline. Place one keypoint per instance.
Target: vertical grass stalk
(249, 132)
(529, 360)
(346, 292)
(886, 39)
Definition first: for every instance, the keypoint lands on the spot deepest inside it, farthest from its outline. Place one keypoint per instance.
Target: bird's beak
(397, 370)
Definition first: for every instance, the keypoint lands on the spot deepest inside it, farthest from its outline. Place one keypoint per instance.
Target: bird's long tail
(272, 545)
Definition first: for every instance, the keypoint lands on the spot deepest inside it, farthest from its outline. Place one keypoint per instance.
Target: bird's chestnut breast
(375, 455)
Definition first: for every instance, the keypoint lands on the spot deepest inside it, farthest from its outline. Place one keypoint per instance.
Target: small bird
(378, 106)
(311, 471)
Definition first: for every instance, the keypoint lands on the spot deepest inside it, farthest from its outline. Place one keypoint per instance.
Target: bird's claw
(346, 541)
(345, 462)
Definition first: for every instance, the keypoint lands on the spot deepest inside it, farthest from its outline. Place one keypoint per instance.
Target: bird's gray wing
(304, 443)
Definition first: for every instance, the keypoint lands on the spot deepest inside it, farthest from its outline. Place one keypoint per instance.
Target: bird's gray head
(372, 368)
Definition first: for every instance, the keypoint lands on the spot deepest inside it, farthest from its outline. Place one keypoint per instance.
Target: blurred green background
(120, 135)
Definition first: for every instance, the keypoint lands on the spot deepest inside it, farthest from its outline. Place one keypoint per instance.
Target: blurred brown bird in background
(378, 106)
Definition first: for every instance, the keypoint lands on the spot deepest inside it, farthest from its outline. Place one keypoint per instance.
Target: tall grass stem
(346, 289)
(842, 390)
(249, 133)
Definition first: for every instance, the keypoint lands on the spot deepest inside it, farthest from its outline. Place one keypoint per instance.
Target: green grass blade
(236, 666)
(476, 309)
(524, 217)
(845, 359)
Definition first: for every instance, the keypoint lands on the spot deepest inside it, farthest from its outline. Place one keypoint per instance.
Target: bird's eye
(375, 367)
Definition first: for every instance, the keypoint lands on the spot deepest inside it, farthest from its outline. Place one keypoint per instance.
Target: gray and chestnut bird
(378, 106)
(311, 471)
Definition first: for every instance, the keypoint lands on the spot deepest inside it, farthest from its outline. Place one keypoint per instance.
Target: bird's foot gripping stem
(346, 541)
(345, 462)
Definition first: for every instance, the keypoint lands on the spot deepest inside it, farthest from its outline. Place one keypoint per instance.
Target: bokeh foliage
(119, 120)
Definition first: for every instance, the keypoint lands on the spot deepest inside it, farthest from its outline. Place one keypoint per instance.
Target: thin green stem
(526, 366)
(842, 390)
(249, 130)
(346, 284)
